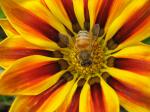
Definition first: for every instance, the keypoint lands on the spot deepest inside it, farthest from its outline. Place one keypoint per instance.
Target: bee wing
(96, 30)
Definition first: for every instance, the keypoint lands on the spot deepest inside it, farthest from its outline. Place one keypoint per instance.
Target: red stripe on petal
(39, 25)
(137, 21)
(104, 12)
(11, 54)
(138, 66)
(74, 106)
(130, 93)
(40, 99)
(86, 11)
(31, 76)
(68, 5)
(97, 99)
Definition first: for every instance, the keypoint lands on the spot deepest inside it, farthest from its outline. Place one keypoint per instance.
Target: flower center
(89, 63)
(86, 56)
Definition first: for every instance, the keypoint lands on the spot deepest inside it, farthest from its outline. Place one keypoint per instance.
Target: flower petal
(131, 98)
(115, 10)
(97, 98)
(16, 47)
(131, 80)
(135, 52)
(72, 101)
(29, 76)
(104, 12)
(38, 28)
(110, 98)
(85, 99)
(132, 106)
(47, 101)
(139, 34)
(69, 7)
(135, 59)
(8, 28)
(125, 24)
(93, 6)
(52, 104)
(94, 101)
(66, 104)
(56, 7)
(79, 11)
(141, 67)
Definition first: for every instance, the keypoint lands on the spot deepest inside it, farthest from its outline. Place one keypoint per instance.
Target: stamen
(81, 82)
(110, 61)
(76, 27)
(67, 76)
(105, 75)
(57, 54)
(63, 64)
(111, 44)
(94, 80)
(63, 41)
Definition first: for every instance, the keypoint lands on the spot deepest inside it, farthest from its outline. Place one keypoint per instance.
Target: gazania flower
(76, 55)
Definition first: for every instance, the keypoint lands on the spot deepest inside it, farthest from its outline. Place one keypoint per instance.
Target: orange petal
(141, 33)
(97, 98)
(131, 98)
(116, 9)
(64, 107)
(29, 76)
(93, 6)
(82, 13)
(52, 104)
(72, 101)
(8, 28)
(16, 47)
(104, 12)
(132, 19)
(78, 6)
(74, 104)
(69, 8)
(39, 28)
(131, 80)
(85, 99)
(135, 59)
(56, 7)
(132, 106)
(91, 98)
(110, 98)
(141, 67)
(48, 101)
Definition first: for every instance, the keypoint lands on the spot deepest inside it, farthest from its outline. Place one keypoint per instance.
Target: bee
(83, 45)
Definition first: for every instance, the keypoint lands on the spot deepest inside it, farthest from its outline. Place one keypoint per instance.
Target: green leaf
(146, 41)
(2, 14)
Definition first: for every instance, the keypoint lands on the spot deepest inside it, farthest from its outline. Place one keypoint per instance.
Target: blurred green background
(6, 101)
